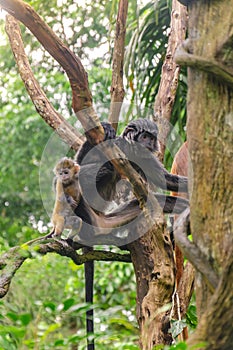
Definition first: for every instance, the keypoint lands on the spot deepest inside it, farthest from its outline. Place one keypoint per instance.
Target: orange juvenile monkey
(68, 194)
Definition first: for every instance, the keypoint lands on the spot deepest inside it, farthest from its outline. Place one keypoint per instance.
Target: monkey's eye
(66, 172)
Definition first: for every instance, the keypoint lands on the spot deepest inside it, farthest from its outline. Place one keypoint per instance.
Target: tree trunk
(154, 266)
(208, 53)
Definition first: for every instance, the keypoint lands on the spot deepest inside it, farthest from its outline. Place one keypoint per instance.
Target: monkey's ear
(55, 170)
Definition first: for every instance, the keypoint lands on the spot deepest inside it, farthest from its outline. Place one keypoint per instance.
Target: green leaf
(18, 332)
(177, 327)
(68, 303)
(25, 318)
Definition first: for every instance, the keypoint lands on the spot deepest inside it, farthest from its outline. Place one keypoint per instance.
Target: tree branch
(170, 71)
(220, 307)
(81, 95)
(117, 87)
(82, 100)
(68, 133)
(185, 289)
(221, 72)
(11, 261)
(192, 252)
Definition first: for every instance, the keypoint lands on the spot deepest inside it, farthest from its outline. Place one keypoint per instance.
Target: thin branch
(185, 288)
(68, 133)
(117, 87)
(11, 261)
(192, 252)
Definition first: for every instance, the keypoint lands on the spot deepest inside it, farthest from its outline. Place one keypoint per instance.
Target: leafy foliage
(55, 318)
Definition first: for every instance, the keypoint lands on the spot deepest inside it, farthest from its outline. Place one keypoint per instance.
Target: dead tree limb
(170, 72)
(117, 87)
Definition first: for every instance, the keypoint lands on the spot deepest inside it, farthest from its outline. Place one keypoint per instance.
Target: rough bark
(215, 326)
(170, 72)
(152, 257)
(117, 87)
(210, 139)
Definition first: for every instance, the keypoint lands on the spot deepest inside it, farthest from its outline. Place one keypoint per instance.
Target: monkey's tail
(89, 288)
(49, 235)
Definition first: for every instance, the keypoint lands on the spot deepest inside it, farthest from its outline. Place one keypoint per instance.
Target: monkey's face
(66, 170)
(65, 175)
(148, 140)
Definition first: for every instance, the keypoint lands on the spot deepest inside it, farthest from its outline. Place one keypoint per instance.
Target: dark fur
(140, 158)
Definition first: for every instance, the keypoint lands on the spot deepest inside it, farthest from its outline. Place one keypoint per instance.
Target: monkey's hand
(58, 225)
(55, 233)
(71, 201)
(109, 131)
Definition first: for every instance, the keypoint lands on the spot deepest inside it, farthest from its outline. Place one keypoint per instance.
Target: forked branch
(82, 100)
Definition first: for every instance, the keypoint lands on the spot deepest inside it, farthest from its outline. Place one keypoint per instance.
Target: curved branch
(183, 57)
(68, 133)
(192, 252)
(67, 59)
(81, 95)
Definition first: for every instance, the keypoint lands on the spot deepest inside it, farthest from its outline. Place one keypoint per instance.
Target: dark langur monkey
(143, 131)
(138, 142)
(68, 195)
